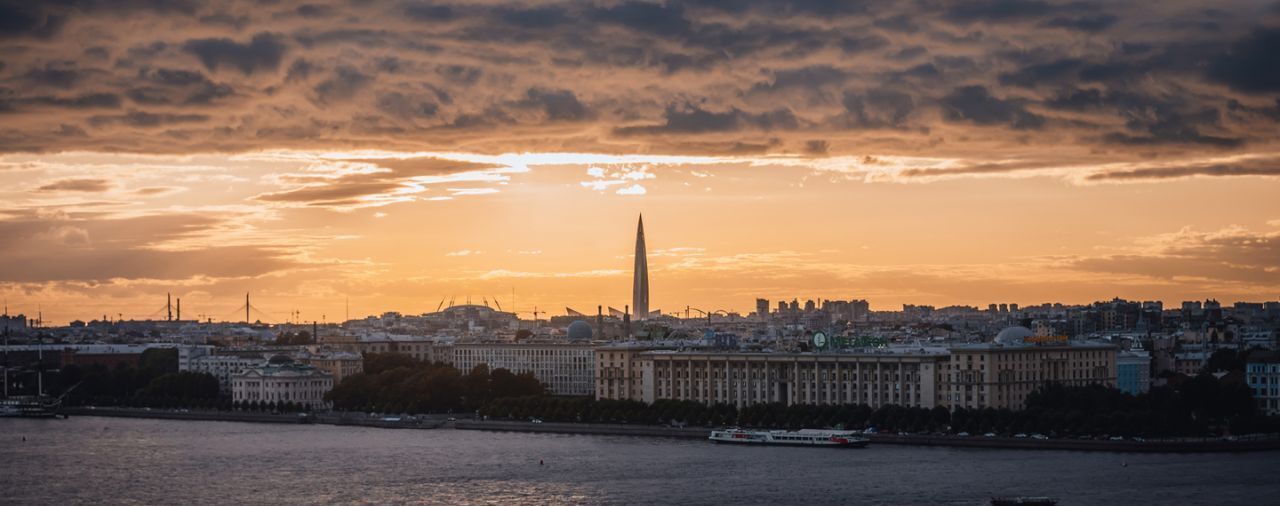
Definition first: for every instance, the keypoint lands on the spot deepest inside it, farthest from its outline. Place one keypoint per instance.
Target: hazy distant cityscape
(815, 352)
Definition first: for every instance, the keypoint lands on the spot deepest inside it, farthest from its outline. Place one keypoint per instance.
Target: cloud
(262, 53)
(77, 185)
(692, 119)
(634, 189)
(1250, 64)
(1231, 255)
(1090, 24)
(344, 84)
(979, 80)
(144, 119)
(975, 104)
(1261, 167)
(558, 105)
(102, 249)
(18, 20)
(347, 184)
(463, 253)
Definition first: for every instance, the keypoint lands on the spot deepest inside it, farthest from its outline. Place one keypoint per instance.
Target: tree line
(1200, 406)
(398, 383)
(154, 382)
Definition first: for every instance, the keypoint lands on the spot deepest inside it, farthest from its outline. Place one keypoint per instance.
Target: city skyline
(399, 153)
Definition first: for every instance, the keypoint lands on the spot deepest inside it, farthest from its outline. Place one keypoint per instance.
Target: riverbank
(356, 419)
(1182, 445)
(1150, 446)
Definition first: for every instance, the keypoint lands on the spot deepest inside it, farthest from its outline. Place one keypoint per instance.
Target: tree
(376, 363)
(1225, 360)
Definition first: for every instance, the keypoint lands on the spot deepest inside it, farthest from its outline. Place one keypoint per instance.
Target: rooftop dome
(580, 331)
(280, 360)
(1014, 335)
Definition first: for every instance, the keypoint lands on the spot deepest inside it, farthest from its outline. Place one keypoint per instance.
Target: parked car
(963, 434)
(1020, 435)
(1039, 436)
(536, 420)
(989, 434)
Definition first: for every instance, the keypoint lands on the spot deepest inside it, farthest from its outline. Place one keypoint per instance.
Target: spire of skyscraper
(640, 281)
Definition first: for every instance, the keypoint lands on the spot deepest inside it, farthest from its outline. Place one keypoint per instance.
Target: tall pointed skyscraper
(640, 281)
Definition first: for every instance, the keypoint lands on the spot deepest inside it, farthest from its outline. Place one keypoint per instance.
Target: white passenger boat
(804, 437)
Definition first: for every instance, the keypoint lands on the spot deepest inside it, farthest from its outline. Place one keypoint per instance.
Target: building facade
(1002, 376)
(282, 381)
(973, 376)
(1262, 373)
(565, 368)
(340, 365)
(1133, 372)
(743, 379)
(423, 349)
(223, 367)
(619, 372)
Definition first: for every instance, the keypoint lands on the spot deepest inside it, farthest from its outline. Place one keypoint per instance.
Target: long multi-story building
(743, 379)
(565, 368)
(999, 375)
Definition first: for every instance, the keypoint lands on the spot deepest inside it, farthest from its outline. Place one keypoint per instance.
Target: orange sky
(720, 233)
(396, 153)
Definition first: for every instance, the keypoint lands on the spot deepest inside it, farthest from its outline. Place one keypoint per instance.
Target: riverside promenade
(357, 419)
(1181, 445)
(1250, 443)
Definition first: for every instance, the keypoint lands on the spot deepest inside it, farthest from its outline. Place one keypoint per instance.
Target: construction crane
(535, 313)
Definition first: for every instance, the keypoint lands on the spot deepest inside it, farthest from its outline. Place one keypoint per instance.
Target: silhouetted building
(640, 279)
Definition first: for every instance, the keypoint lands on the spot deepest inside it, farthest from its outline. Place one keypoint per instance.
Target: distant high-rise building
(640, 280)
(762, 308)
(810, 306)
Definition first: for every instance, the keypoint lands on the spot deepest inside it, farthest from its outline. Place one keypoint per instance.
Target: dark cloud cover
(894, 78)
(976, 105)
(262, 53)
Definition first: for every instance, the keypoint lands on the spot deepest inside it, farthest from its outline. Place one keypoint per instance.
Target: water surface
(99, 460)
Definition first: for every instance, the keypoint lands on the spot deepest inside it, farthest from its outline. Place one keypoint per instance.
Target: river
(99, 460)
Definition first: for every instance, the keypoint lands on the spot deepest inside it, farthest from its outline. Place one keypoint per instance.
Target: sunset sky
(399, 153)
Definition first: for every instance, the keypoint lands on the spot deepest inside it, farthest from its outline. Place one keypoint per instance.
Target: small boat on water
(803, 437)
